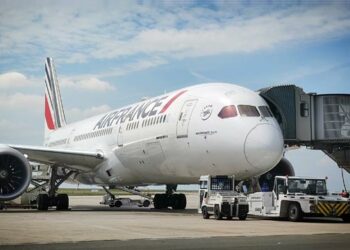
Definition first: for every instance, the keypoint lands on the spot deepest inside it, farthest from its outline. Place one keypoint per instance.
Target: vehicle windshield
(221, 183)
(307, 186)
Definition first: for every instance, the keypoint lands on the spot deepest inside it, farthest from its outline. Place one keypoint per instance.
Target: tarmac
(89, 225)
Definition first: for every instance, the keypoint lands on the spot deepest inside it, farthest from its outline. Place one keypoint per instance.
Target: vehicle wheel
(146, 203)
(217, 213)
(183, 201)
(205, 213)
(62, 202)
(346, 218)
(242, 216)
(118, 203)
(42, 202)
(294, 212)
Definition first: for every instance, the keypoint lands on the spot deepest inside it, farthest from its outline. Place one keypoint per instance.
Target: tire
(62, 202)
(183, 201)
(294, 212)
(175, 201)
(146, 203)
(42, 202)
(160, 201)
(205, 213)
(217, 213)
(242, 216)
(346, 218)
(118, 203)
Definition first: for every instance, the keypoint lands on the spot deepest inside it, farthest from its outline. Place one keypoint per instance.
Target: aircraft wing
(79, 160)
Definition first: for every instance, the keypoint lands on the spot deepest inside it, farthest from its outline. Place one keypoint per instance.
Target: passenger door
(184, 118)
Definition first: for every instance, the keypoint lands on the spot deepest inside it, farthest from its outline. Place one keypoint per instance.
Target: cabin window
(248, 111)
(228, 111)
(265, 111)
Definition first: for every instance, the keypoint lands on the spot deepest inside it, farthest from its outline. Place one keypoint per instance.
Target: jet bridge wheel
(294, 212)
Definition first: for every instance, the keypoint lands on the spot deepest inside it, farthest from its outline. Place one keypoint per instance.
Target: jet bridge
(316, 121)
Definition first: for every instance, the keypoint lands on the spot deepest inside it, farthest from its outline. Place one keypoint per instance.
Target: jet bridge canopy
(312, 120)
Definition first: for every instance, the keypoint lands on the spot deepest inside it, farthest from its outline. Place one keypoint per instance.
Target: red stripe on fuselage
(167, 105)
(48, 116)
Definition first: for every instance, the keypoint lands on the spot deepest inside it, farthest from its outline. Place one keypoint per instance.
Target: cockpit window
(227, 112)
(247, 110)
(265, 111)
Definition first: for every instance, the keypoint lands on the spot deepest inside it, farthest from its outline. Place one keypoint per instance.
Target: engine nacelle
(284, 167)
(15, 173)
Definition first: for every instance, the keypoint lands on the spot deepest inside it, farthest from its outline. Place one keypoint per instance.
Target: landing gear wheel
(217, 213)
(242, 216)
(62, 202)
(183, 201)
(294, 212)
(205, 213)
(160, 201)
(43, 202)
(175, 201)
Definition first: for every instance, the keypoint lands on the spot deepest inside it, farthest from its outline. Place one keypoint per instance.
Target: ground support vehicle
(295, 197)
(116, 201)
(217, 197)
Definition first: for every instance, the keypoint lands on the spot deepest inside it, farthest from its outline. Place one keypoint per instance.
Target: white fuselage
(175, 138)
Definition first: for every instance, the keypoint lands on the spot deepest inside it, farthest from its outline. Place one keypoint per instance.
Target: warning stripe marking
(331, 209)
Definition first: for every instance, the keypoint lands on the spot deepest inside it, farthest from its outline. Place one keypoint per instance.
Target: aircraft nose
(263, 147)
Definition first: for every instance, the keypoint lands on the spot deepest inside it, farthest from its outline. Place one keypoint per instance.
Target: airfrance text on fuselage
(143, 110)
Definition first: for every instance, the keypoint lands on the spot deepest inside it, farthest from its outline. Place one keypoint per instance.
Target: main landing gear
(51, 198)
(169, 199)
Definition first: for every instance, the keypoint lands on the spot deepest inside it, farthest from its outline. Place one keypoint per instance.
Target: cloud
(20, 101)
(81, 32)
(133, 67)
(76, 114)
(13, 80)
(86, 83)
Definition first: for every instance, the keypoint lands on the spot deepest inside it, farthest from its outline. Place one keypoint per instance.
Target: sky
(112, 53)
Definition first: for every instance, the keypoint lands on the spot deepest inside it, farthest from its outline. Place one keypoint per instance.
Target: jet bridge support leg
(170, 199)
(51, 198)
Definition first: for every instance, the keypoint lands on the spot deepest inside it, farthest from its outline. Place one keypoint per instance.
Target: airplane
(171, 139)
